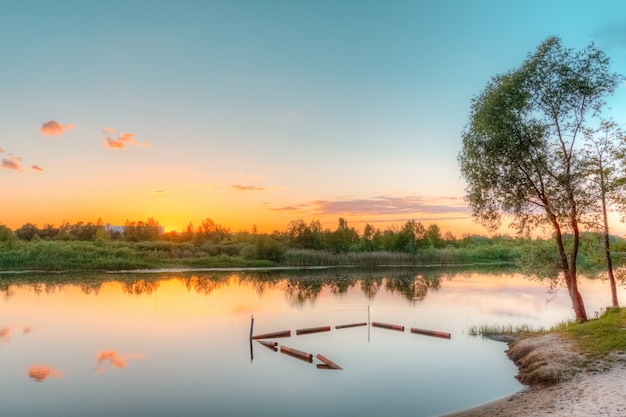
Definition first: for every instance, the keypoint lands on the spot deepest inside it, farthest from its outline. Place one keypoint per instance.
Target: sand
(560, 382)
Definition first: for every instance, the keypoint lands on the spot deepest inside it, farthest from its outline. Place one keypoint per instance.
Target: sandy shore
(562, 383)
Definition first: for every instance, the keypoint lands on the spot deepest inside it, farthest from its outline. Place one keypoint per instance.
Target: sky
(257, 113)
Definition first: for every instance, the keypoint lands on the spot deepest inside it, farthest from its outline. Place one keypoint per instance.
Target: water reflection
(110, 358)
(5, 334)
(299, 286)
(205, 285)
(193, 327)
(40, 373)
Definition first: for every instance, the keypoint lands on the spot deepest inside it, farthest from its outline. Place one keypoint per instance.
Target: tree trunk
(577, 299)
(607, 243)
(569, 271)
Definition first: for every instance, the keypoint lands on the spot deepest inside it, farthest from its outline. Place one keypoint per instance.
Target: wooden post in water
(433, 333)
(313, 330)
(388, 326)
(284, 333)
(345, 326)
(307, 357)
(251, 325)
(329, 364)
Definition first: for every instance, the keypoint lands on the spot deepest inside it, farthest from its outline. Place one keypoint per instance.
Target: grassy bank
(426, 257)
(547, 357)
(52, 255)
(115, 255)
(596, 337)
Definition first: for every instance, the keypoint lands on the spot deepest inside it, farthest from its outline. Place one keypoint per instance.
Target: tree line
(410, 237)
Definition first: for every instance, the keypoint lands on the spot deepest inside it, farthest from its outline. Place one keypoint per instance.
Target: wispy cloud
(240, 187)
(54, 128)
(40, 373)
(13, 162)
(382, 205)
(122, 139)
(37, 168)
(113, 144)
(291, 208)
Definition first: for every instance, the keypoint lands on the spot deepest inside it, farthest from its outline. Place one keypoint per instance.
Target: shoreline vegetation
(119, 256)
(143, 245)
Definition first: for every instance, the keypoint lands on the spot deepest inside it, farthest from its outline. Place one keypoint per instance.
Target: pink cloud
(383, 205)
(40, 373)
(12, 163)
(54, 128)
(36, 168)
(240, 187)
(127, 137)
(113, 144)
(122, 140)
(1, 150)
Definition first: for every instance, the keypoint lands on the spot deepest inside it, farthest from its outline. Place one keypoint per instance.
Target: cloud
(383, 205)
(36, 168)
(12, 163)
(290, 208)
(54, 128)
(122, 139)
(1, 150)
(40, 373)
(110, 358)
(113, 144)
(240, 187)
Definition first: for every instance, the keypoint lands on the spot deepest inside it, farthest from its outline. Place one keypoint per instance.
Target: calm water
(177, 343)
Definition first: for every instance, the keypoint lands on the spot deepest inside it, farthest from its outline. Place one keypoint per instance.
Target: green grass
(55, 255)
(114, 255)
(599, 336)
(503, 330)
(424, 257)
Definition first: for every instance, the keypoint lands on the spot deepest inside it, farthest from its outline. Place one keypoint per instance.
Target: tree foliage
(521, 156)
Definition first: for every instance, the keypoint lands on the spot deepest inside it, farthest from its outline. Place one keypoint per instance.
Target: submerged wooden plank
(388, 326)
(313, 330)
(433, 333)
(284, 333)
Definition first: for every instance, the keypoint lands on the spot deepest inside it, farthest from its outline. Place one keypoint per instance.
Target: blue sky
(261, 112)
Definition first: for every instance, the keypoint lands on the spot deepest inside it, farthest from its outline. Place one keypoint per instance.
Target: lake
(177, 343)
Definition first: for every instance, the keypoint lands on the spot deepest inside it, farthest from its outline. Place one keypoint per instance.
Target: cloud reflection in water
(5, 334)
(110, 358)
(40, 373)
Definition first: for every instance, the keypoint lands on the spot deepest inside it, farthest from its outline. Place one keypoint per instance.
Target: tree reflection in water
(140, 287)
(299, 285)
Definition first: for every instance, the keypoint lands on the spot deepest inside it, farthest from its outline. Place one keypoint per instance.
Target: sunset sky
(260, 112)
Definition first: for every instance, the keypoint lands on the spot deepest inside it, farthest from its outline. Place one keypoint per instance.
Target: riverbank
(561, 382)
